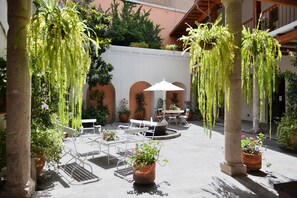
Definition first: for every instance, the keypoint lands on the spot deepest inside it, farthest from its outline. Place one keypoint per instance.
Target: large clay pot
(123, 117)
(139, 115)
(145, 175)
(39, 164)
(252, 162)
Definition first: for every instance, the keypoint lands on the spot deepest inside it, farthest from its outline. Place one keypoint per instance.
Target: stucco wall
(4, 24)
(132, 65)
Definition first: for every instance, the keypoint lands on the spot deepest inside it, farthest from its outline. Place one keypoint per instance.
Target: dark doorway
(279, 103)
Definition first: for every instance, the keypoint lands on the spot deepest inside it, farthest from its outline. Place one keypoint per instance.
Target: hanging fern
(260, 53)
(211, 48)
(59, 51)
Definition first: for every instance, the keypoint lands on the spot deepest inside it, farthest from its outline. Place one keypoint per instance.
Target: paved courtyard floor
(193, 170)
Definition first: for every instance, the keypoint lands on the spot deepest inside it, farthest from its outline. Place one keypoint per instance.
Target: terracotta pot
(123, 117)
(139, 115)
(145, 175)
(39, 164)
(252, 162)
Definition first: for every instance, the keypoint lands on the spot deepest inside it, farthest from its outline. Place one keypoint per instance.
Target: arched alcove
(138, 87)
(109, 99)
(180, 95)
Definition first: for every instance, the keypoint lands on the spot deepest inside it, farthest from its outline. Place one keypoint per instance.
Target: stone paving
(193, 170)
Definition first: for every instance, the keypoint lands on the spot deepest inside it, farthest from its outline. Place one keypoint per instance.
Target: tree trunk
(18, 160)
(233, 165)
(256, 113)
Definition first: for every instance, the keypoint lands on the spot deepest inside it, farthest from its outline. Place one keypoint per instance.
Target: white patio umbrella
(164, 86)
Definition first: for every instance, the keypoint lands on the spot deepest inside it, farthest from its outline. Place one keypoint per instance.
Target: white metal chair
(172, 118)
(183, 118)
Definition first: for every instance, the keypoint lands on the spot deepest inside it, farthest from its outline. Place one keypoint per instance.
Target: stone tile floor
(193, 171)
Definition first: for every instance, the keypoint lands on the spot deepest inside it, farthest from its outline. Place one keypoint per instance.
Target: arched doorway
(138, 87)
(95, 93)
(176, 97)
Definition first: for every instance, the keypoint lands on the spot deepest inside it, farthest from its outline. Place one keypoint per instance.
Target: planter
(252, 162)
(139, 115)
(292, 141)
(145, 175)
(39, 164)
(208, 45)
(123, 117)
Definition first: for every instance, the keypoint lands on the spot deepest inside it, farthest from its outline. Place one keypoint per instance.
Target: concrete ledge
(167, 137)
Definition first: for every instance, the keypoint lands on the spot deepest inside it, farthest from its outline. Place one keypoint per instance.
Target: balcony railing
(274, 17)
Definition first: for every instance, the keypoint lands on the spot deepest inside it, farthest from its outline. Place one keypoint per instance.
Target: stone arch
(137, 88)
(181, 95)
(108, 100)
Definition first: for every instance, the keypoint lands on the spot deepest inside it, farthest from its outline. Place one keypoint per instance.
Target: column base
(27, 191)
(234, 169)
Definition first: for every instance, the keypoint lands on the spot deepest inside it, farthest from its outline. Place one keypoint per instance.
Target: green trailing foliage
(259, 54)
(132, 24)
(59, 49)
(92, 16)
(211, 48)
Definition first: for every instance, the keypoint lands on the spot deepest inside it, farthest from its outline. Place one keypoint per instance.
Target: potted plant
(173, 107)
(46, 145)
(143, 161)
(251, 151)
(211, 48)
(140, 111)
(124, 112)
(109, 135)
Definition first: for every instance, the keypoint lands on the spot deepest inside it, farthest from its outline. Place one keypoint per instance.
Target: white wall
(150, 65)
(3, 20)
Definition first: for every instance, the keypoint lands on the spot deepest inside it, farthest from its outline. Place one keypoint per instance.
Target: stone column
(232, 164)
(19, 183)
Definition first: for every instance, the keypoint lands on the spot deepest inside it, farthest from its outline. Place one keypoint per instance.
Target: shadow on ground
(151, 189)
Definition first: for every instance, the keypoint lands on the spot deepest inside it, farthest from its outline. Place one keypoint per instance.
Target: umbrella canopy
(164, 86)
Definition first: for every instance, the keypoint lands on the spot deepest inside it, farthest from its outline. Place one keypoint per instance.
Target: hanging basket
(207, 45)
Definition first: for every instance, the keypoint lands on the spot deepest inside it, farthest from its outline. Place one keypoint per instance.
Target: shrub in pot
(287, 132)
(124, 112)
(143, 161)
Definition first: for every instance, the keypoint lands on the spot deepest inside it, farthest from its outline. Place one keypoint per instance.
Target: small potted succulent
(252, 151)
(124, 112)
(143, 161)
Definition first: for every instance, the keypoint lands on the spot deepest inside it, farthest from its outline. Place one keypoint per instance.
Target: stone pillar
(19, 183)
(232, 164)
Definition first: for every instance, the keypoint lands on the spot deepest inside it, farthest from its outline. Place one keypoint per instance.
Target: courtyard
(193, 170)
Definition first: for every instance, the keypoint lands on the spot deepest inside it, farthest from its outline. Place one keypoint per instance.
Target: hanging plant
(211, 48)
(58, 47)
(259, 55)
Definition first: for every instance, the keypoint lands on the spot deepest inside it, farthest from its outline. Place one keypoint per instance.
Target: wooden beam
(292, 3)
(287, 37)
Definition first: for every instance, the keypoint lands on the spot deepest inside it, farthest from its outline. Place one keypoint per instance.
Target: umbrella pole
(164, 108)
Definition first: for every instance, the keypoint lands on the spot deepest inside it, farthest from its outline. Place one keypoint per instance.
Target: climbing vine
(259, 55)
(211, 48)
(58, 47)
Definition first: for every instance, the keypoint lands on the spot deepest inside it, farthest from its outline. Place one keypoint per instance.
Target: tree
(92, 16)
(133, 26)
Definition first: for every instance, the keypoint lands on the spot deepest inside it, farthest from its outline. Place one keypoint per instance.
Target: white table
(169, 113)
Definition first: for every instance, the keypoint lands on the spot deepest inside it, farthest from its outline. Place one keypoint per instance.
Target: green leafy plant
(132, 24)
(211, 67)
(109, 135)
(172, 47)
(252, 145)
(145, 154)
(140, 44)
(174, 99)
(123, 107)
(259, 54)
(174, 107)
(286, 131)
(140, 104)
(291, 92)
(58, 47)
(46, 143)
